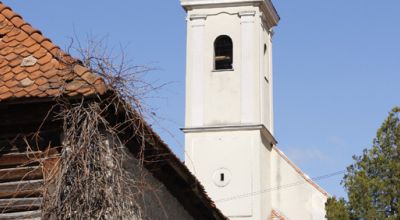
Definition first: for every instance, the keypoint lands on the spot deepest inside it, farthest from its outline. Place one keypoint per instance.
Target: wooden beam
(31, 188)
(32, 215)
(21, 204)
(17, 159)
(21, 173)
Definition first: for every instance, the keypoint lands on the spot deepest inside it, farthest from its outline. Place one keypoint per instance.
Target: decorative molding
(240, 127)
(247, 13)
(247, 16)
(198, 20)
(198, 16)
(266, 6)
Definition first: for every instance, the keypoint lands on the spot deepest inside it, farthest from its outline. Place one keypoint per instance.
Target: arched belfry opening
(223, 53)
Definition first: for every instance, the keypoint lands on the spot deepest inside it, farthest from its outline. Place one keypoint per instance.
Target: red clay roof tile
(28, 42)
(25, 54)
(35, 75)
(33, 48)
(89, 77)
(7, 76)
(17, 69)
(14, 32)
(13, 43)
(20, 94)
(21, 76)
(35, 92)
(31, 69)
(52, 92)
(19, 49)
(17, 21)
(37, 37)
(41, 81)
(45, 59)
(11, 56)
(80, 70)
(11, 83)
(28, 29)
(32, 66)
(56, 51)
(6, 29)
(41, 52)
(42, 95)
(6, 51)
(46, 67)
(6, 95)
(15, 89)
(8, 13)
(8, 38)
(5, 70)
(74, 85)
(48, 45)
(4, 89)
(21, 36)
(3, 23)
(15, 62)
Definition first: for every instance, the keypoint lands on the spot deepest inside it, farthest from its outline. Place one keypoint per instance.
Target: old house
(70, 147)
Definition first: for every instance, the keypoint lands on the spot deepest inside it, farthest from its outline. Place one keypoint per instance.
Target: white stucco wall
(261, 178)
(155, 200)
(229, 112)
(292, 194)
(245, 162)
(242, 95)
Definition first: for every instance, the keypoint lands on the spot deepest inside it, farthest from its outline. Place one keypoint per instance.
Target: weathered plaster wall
(155, 200)
(293, 194)
(242, 95)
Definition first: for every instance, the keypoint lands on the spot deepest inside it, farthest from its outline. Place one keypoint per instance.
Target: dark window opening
(265, 49)
(223, 51)
(222, 177)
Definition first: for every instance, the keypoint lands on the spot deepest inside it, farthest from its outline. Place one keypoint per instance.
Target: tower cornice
(266, 6)
(240, 127)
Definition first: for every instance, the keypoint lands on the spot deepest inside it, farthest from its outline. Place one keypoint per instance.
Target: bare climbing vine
(91, 181)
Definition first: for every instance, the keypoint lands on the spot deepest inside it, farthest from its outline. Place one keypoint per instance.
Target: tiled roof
(32, 66)
(275, 215)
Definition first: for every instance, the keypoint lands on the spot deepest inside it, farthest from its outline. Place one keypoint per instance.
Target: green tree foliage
(373, 181)
(336, 209)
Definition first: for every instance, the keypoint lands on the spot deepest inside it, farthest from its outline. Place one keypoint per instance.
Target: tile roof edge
(275, 214)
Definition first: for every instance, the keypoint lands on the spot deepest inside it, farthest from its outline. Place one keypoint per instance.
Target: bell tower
(229, 106)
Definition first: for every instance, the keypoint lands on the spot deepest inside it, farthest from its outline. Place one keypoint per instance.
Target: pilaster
(248, 105)
(197, 23)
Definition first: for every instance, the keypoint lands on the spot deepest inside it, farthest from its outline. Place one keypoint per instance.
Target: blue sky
(336, 67)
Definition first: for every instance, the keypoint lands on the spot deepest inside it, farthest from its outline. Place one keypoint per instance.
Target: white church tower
(229, 106)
